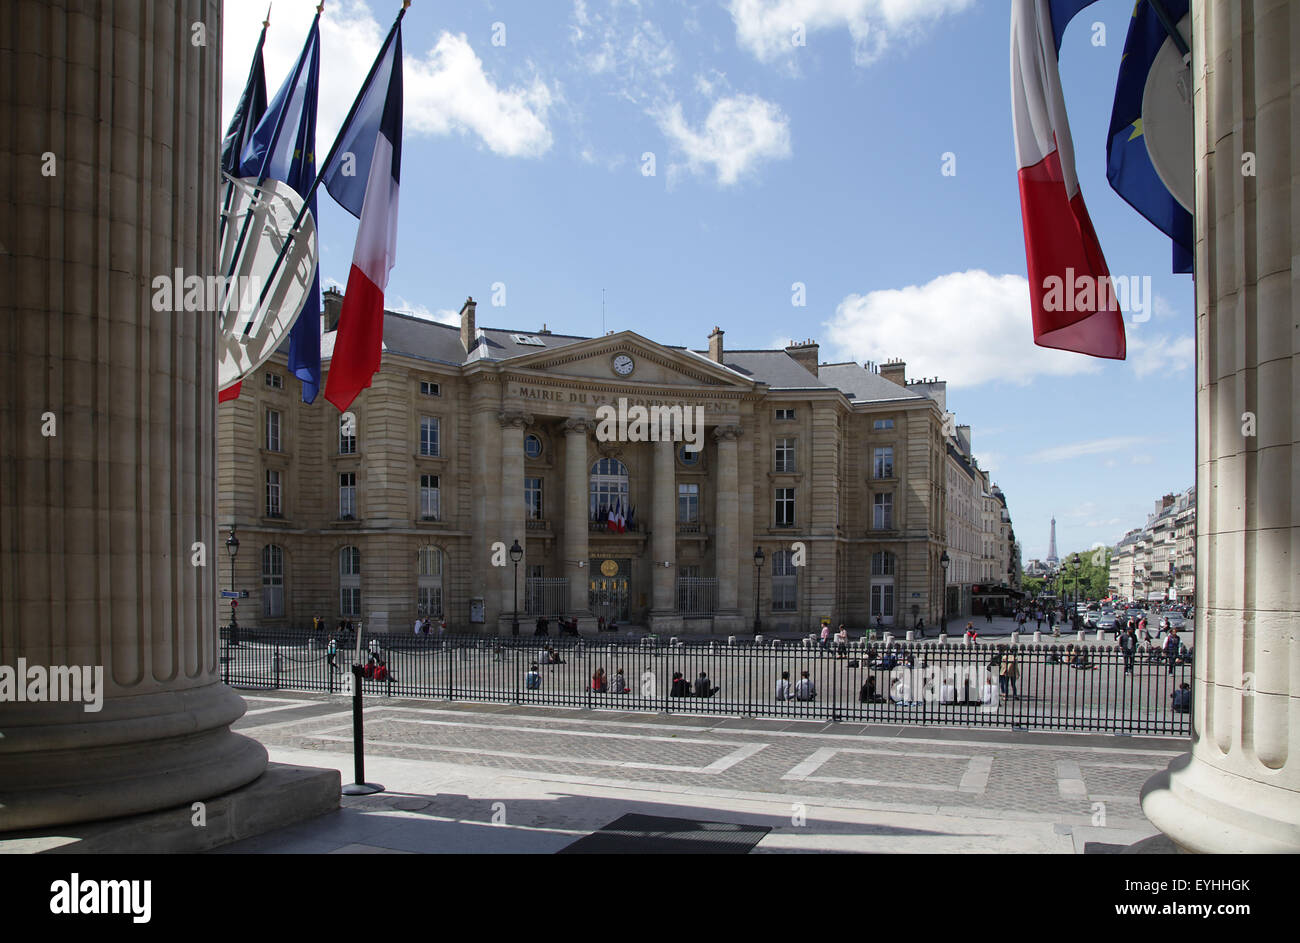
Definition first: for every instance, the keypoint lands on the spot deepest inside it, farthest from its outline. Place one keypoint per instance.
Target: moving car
(1104, 621)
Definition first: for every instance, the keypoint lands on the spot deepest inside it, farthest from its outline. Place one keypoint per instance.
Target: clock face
(623, 365)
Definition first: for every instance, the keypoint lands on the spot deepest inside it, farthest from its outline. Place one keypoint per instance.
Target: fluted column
(108, 410)
(1239, 788)
(727, 531)
(664, 523)
(514, 523)
(576, 513)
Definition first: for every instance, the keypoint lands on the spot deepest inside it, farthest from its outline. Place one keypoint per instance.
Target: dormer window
(527, 340)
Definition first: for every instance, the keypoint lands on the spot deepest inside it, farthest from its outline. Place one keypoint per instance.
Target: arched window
(784, 582)
(429, 583)
(608, 488)
(350, 581)
(272, 581)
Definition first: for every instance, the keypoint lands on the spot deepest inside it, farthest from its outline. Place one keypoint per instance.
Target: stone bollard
(713, 646)
(943, 639)
(758, 640)
(1082, 635)
(1101, 635)
(731, 640)
(1015, 638)
(1038, 638)
(673, 641)
(889, 638)
(911, 636)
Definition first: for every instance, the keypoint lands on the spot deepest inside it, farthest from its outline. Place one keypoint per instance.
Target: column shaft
(575, 513)
(664, 524)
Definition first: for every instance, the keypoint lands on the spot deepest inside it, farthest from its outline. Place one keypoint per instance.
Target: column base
(136, 755)
(1206, 810)
(668, 622)
(731, 622)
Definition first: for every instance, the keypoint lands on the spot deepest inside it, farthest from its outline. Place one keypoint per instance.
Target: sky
(720, 161)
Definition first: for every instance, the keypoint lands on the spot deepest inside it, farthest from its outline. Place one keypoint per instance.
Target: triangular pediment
(652, 364)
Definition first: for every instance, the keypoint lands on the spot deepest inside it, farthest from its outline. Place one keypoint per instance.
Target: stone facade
(834, 457)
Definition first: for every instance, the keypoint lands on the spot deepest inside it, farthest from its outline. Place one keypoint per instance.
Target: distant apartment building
(1157, 561)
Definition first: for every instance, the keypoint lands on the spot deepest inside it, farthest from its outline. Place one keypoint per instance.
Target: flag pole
(324, 165)
(1171, 28)
(230, 190)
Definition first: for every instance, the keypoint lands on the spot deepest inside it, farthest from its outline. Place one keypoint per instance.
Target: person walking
(1009, 674)
(331, 654)
(1170, 648)
(1128, 644)
(826, 636)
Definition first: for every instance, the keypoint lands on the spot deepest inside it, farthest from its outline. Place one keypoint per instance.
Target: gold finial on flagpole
(320, 7)
(405, 4)
(267, 22)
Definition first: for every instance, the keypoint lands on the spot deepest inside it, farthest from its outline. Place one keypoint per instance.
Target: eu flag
(1128, 166)
(284, 148)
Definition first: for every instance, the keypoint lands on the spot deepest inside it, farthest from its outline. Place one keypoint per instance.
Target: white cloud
(629, 53)
(965, 327)
(441, 315)
(989, 461)
(1073, 450)
(446, 90)
(767, 27)
(739, 133)
(1162, 354)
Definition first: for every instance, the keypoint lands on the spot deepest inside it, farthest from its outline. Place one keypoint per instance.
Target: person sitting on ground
(1081, 659)
(599, 684)
(1182, 699)
(784, 691)
(681, 687)
(533, 680)
(553, 657)
(869, 694)
(805, 690)
(971, 635)
(704, 687)
(1069, 655)
(620, 682)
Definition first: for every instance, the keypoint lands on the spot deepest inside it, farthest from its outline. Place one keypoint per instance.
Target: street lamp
(758, 576)
(516, 554)
(232, 548)
(943, 562)
(1074, 612)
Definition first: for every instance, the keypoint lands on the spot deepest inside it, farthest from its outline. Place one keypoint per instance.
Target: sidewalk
(480, 778)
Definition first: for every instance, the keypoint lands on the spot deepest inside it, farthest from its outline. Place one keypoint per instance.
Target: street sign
(229, 594)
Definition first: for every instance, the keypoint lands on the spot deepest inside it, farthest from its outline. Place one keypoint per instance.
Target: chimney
(805, 355)
(333, 308)
(715, 345)
(895, 370)
(963, 434)
(467, 327)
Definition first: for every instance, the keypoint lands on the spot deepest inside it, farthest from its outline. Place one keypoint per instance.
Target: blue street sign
(229, 594)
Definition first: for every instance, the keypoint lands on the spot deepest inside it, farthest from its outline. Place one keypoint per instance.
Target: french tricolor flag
(1061, 245)
(363, 177)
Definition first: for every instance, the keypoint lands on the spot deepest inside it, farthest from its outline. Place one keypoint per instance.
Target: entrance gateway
(608, 590)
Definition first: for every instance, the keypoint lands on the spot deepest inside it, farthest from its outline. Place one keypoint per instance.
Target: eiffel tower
(1051, 546)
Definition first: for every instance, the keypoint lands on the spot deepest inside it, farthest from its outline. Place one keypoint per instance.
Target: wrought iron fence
(1056, 686)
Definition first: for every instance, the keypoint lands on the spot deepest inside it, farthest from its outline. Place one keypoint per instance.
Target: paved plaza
(506, 778)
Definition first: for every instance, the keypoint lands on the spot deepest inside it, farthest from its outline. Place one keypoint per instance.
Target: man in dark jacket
(1128, 645)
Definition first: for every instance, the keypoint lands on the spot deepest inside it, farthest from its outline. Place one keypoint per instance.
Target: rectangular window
(429, 497)
(533, 498)
(272, 430)
(784, 507)
(273, 506)
(347, 496)
(350, 600)
(347, 434)
(785, 455)
(882, 600)
(880, 425)
(430, 389)
(688, 504)
(429, 435)
(883, 512)
(882, 464)
(784, 582)
(275, 381)
(785, 414)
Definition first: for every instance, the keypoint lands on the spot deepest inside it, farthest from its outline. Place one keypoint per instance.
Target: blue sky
(528, 127)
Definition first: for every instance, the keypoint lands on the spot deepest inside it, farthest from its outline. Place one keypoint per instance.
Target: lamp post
(758, 577)
(1074, 611)
(232, 548)
(516, 554)
(944, 561)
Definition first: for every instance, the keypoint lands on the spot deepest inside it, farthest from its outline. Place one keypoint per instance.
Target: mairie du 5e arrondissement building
(472, 438)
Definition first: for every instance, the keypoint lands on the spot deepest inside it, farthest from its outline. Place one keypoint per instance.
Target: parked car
(1105, 621)
(1173, 620)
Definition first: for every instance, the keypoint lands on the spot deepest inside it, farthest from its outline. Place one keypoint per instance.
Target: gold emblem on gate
(609, 568)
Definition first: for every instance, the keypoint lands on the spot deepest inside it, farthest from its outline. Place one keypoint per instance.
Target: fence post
(275, 665)
(225, 661)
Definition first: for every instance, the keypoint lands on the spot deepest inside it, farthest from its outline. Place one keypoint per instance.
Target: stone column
(514, 524)
(664, 540)
(108, 411)
(576, 477)
(726, 544)
(1239, 788)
